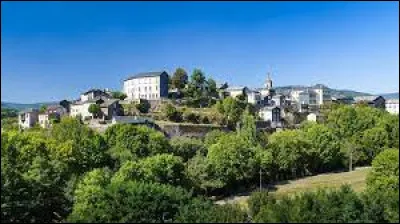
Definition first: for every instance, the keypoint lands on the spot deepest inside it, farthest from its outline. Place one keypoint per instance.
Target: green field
(356, 179)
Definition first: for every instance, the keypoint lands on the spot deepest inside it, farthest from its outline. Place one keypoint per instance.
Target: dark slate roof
(93, 90)
(146, 74)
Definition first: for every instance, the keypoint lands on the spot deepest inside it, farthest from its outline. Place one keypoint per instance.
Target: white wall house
(271, 114)
(392, 106)
(254, 97)
(236, 91)
(149, 86)
(28, 118)
(92, 94)
(44, 120)
(81, 109)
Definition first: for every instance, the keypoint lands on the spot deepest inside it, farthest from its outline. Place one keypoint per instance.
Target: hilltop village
(157, 97)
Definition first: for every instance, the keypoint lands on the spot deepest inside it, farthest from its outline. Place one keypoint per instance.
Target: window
(150, 88)
(156, 88)
(145, 88)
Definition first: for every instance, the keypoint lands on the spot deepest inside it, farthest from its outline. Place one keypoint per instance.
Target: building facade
(271, 114)
(28, 118)
(392, 106)
(149, 86)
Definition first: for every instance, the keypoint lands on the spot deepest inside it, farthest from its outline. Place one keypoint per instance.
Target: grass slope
(356, 179)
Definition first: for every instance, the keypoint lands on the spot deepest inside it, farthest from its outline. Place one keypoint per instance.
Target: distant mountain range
(390, 95)
(22, 106)
(333, 92)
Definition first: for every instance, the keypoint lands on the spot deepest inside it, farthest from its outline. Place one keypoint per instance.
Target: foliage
(288, 149)
(76, 146)
(163, 168)
(118, 95)
(171, 113)
(201, 175)
(127, 142)
(65, 104)
(324, 153)
(43, 108)
(94, 109)
(231, 109)
(212, 137)
(385, 173)
(341, 206)
(31, 184)
(143, 106)
(200, 211)
(179, 78)
(186, 147)
(127, 201)
(8, 112)
(232, 159)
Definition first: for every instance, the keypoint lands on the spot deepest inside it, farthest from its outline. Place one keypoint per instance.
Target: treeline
(135, 174)
(378, 204)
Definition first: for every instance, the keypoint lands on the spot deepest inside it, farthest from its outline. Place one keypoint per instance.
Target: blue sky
(56, 50)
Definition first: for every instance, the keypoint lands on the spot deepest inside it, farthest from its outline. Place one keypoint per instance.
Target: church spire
(268, 84)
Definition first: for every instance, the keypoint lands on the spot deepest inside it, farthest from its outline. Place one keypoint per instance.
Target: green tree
(163, 168)
(385, 171)
(324, 153)
(231, 109)
(232, 159)
(118, 95)
(43, 108)
(128, 201)
(202, 175)
(65, 104)
(179, 79)
(187, 147)
(95, 110)
(127, 142)
(76, 146)
(288, 149)
(212, 137)
(247, 129)
(143, 106)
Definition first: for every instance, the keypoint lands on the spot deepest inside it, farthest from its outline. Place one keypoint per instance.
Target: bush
(187, 147)
(128, 201)
(143, 106)
(191, 117)
(205, 120)
(171, 113)
(258, 200)
(163, 168)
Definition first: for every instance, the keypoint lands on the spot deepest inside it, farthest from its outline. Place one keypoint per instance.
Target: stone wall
(188, 130)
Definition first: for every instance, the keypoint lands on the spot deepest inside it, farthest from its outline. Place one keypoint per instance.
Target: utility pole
(260, 180)
(351, 159)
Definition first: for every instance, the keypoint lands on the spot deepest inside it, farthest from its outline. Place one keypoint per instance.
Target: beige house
(28, 118)
(109, 108)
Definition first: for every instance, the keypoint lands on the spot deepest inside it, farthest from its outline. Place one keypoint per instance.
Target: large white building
(149, 86)
(392, 106)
